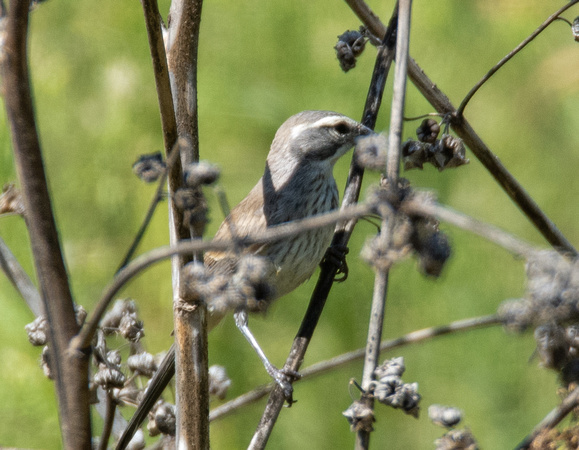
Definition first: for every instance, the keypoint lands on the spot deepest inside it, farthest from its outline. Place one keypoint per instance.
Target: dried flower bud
(114, 358)
(382, 253)
(142, 364)
(552, 346)
(37, 331)
(109, 378)
(428, 131)
(390, 367)
(112, 319)
(185, 198)
(457, 440)
(201, 173)
(162, 419)
(448, 151)
(11, 199)
(389, 388)
(371, 152)
(149, 167)
(415, 154)
(432, 246)
(360, 417)
(219, 382)
(444, 416)
(350, 45)
(131, 329)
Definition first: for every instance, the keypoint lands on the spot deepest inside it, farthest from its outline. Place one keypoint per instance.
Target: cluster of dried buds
(408, 234)
(37, 332)
(246, 288)
(389, 389)
(443, 153)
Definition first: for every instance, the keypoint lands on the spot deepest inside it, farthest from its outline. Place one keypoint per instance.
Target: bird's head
(314, 138)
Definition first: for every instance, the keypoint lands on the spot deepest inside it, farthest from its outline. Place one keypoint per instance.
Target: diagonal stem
(372, 353)
(462, 128)
(340, 240)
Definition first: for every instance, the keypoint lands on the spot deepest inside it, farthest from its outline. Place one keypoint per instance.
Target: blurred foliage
(259, 63)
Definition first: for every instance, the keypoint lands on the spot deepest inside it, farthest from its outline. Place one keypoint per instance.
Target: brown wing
(247, 218)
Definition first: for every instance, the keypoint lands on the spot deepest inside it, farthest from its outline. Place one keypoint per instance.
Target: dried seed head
(114, 358)
(219, 382)
(371, 152)
(142, 364)
(112, 319)
(428, 131)
(149, 167)
(444, 416)
(575, 29)
(552, 294)
(201, 173)
(432, 246)
(37, 331)
(448, 151)
(415, 154)
(350, 45)
(360, 417)
(109, 378)
(552, 346)
(457, 440)
(162, 419)
(390, 367)
(131, 329)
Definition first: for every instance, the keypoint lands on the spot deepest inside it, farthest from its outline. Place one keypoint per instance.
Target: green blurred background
(259, 63)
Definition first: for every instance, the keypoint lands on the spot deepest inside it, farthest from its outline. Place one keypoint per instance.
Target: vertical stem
(372, 353)
(191, 367)
(70, 368)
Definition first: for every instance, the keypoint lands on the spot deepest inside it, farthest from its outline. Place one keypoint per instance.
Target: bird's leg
(283, 378)
(336, 254)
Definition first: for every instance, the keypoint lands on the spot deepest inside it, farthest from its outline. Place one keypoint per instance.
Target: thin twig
(507, 58)
(158, 196)
(500, 237)
(20, 279)
(145, 260)
(379, 295)
(552, 419)
(190, 324)
(339, 241)
(70, 370)
(323, 367)
(462, 128)
(109, 418)
(190, 328)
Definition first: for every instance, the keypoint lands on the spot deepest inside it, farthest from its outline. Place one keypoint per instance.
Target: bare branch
(509, 56)
(553, 418)
(372, 354)
(323, 367)
(19, 278)
(187, 247)
(71, 370)
(489, 232)
(442, 104)
(340, 241)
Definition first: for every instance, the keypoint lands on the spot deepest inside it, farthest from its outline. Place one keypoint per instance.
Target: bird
(297, 183)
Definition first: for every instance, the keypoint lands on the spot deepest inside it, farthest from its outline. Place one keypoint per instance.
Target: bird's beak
(363, 131)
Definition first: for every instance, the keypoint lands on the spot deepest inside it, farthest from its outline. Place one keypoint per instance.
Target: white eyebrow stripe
(323, 122)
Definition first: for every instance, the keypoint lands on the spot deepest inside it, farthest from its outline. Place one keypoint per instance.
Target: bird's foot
(284, 379)
(336, 254)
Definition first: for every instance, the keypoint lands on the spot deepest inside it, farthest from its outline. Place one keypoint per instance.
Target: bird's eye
(342, 128)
